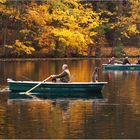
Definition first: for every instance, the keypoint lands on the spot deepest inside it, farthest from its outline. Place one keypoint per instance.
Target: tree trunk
(4, 38)
(117, 40)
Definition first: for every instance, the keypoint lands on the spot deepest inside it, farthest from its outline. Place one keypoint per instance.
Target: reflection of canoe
(63, 95)
(132, 67)
(49, 87)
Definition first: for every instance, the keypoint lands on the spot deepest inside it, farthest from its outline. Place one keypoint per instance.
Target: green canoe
(50, 87)
(127, 67)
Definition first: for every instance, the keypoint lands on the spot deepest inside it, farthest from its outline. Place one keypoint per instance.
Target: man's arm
(63, 74)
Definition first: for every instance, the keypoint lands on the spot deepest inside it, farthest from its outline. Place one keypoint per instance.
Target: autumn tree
(127, 22)
(68, 27)
(64, 27)
(11, 15)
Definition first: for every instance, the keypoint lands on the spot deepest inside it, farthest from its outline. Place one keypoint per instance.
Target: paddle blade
(21, 93)
(29, 93)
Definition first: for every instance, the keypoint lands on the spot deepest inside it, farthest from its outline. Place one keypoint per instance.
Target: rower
(112, 60)
(126, 61)
(62, 77)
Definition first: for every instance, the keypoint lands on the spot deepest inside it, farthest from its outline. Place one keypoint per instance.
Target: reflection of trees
(128, 87)
(49, 120)
(123, 84)
(118, 118)
(36, 120)
(123, 91)
(115, 83)
(71, 119)
(16, 70)
(3, 111)
(81, 70)
(138, 82)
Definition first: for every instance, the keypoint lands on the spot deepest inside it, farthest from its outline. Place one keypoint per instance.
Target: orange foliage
(132, 51)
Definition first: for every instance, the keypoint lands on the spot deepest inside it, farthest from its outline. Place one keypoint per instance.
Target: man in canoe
(62, 77)
(126, 61)
(111, 60)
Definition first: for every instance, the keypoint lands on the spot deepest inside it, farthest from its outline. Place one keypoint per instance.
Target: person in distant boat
(111, 60)
(126, 61)
(138, 61)
(62, 77)
(95, 75)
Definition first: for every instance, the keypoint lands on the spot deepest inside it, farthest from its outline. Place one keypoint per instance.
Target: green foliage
(52, 46)
(118, 51)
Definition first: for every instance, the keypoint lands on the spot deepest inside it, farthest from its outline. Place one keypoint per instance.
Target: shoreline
(44, 59)
(105, 52)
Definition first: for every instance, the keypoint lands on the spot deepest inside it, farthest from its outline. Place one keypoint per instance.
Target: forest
(69, 28)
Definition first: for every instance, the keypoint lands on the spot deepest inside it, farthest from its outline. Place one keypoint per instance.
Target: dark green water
(113, 114)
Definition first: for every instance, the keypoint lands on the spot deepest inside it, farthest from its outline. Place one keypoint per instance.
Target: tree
(62, 26)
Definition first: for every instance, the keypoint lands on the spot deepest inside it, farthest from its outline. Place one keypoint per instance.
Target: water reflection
(138, 83)
(51, 118)
(81, 70)
(13, 95)
(124, 89)
(70, 119)
(125, 80)
(113, 114)
(3, 111)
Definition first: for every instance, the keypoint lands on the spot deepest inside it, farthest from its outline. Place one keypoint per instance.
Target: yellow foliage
(128, 24)
(133, 29)
(125, 34)
(67, 22)
(2, 1)
(70, 38)
(71, 3)
(34, 15)
(20, 47)
(11, 12)
(24, 31)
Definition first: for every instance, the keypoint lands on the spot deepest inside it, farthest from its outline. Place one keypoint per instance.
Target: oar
(34, 97)
(27, 92)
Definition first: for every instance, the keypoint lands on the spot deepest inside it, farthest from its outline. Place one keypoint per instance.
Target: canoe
(129, 67)
(50, 87)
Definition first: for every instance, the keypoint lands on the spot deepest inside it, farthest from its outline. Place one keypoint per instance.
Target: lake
(113, 114)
